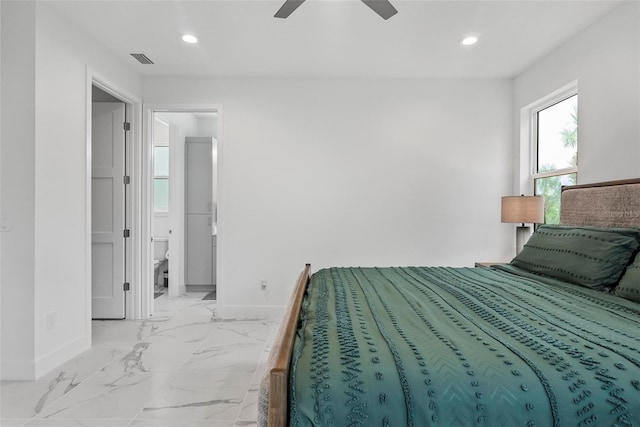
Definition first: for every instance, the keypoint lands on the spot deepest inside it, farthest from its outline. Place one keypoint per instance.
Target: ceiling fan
(382, 7)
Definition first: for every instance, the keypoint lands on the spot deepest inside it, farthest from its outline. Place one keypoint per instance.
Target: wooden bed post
(280, 358)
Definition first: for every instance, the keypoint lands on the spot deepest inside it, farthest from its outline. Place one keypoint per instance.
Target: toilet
(161, 270)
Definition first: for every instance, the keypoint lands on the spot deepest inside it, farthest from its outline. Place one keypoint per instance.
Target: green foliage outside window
(550, 188)
(556, 146)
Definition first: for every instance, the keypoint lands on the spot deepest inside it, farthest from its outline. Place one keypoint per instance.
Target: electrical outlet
(52, 318)
(263, 284)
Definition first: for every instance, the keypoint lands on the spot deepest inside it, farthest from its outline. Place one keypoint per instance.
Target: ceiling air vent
(142, 58)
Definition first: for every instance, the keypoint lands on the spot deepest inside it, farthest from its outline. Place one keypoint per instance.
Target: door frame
(133, 245)
(146, 291)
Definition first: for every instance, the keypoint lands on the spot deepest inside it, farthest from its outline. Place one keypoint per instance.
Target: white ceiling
(333, 37)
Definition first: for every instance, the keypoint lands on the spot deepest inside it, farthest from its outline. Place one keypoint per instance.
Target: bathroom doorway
(184, 202)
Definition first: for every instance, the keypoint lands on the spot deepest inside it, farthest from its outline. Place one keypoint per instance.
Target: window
(555, 137)
(160, 166)
(161, 178)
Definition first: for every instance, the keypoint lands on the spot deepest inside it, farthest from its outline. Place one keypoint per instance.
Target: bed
(551, 339)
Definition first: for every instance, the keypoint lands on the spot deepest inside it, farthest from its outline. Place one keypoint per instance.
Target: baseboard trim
(60, 355)
(30, 370)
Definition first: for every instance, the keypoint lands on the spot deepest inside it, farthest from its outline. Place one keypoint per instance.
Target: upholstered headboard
(606, 204)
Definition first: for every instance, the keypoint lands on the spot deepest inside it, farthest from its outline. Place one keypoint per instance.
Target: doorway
(109, 194)
(183, 212)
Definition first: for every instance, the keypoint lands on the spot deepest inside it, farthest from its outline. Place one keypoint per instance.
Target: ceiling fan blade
(287, 8)
(382, 7)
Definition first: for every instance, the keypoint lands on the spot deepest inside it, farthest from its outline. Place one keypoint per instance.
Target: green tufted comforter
(462, 347)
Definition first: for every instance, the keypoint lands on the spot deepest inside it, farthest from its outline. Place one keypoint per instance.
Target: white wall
(605, 60)
(351, 172)
(2, 221)
(208, 126)
(18, 187)
(48, 125)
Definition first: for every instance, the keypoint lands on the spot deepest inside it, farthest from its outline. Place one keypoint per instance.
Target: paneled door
(108, 141)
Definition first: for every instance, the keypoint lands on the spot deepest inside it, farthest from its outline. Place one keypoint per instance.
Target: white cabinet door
(199, 250)
(198, 218)
(107, 211)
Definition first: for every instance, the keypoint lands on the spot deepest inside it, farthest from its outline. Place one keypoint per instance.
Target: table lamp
(524, 210)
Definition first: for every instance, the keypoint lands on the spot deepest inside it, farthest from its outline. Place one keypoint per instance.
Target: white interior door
(108, 210)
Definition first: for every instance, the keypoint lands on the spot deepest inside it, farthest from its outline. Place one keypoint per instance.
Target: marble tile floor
(184, 367)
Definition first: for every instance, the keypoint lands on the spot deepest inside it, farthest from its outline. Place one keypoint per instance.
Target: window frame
(528, 159)
(542, 105)
(156, 211)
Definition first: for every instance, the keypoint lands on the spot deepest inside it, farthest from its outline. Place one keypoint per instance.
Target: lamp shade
(523, 209)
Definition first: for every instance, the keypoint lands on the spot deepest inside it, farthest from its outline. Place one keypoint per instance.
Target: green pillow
(629, 286)
(594, 257)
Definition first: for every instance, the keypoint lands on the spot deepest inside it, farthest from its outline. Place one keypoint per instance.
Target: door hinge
(127, 180)
(126, 286)
(127, 233)
(127, 126)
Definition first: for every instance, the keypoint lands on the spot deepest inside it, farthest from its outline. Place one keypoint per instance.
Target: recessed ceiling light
(468, 41)
(189, 38)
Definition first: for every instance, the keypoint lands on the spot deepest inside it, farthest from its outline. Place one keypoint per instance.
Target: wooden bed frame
(280, 357)
(581, 212)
